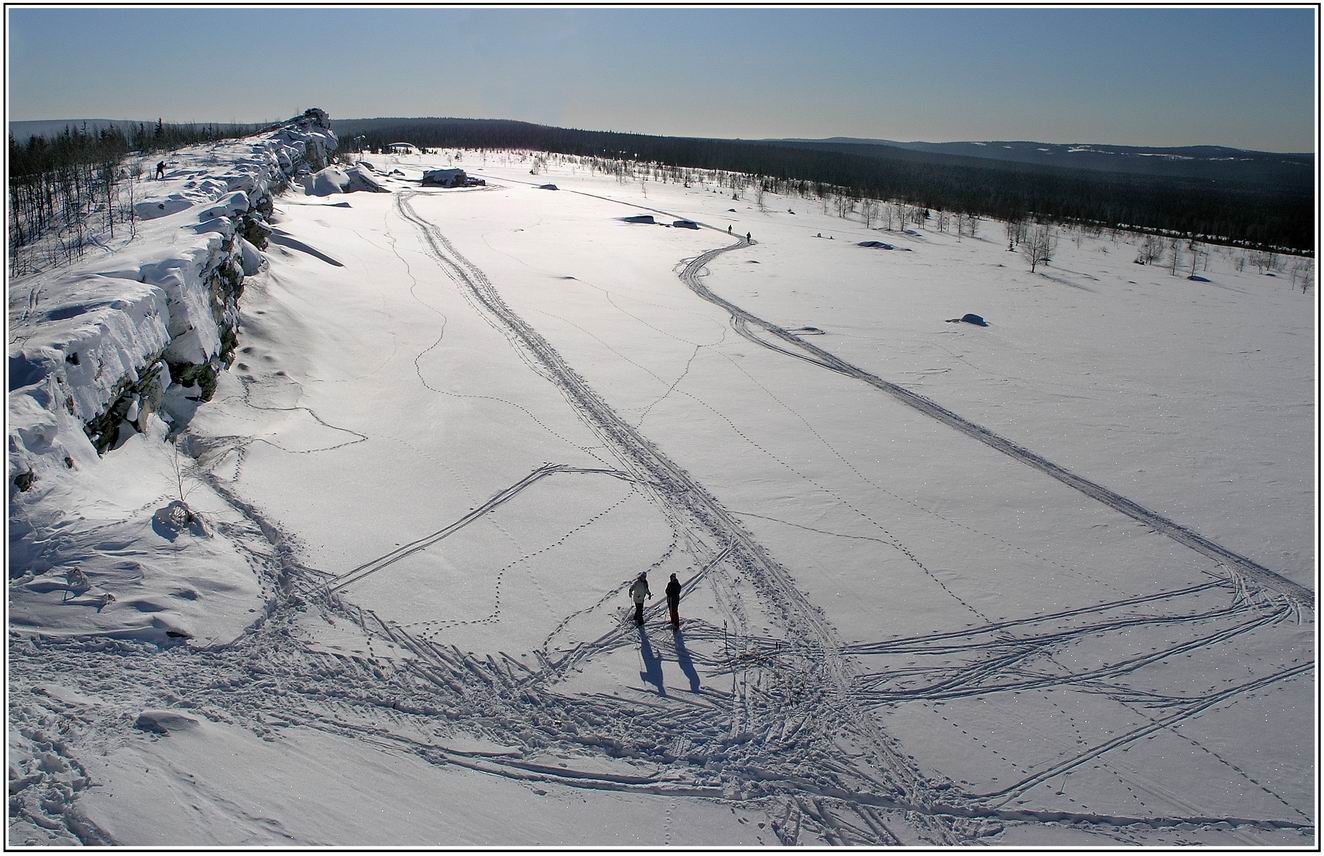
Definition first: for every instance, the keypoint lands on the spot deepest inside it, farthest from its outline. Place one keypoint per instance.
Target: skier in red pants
(673, 600)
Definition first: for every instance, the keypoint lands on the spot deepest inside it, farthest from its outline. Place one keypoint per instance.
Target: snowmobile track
(820, 657)
(1238, 564)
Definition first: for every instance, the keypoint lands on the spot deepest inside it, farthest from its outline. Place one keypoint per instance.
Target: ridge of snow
(78, 333)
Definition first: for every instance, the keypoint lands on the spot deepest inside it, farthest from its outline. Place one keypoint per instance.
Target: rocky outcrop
(95, 355)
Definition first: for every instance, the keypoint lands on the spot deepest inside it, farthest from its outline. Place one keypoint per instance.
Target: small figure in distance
(673, 601)
(748, 239)
(639, 591)
(160, 170)
(728, 230)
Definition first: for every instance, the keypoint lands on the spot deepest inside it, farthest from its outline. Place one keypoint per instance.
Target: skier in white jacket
(638, 592)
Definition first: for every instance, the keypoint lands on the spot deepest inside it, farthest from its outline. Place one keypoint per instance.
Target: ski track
(772, 741)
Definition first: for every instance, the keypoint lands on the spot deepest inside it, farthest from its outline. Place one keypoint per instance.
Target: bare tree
(1151, 250)
(1302, 269)
(1014, 230)
(1196, 254)
(1174, 248)
(135, 173)
(869, 211)
(1039, 245)
(902, 212)
(845, 205)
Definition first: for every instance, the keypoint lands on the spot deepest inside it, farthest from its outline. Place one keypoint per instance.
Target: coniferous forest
(1255, 213)
(70, 185)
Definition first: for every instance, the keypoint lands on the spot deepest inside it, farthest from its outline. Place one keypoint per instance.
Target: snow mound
(332, 180)
(326, 182)
(165, 721)
(150, 209)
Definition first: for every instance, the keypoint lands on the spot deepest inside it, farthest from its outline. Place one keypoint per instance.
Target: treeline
(69, 187)
(1217, 211)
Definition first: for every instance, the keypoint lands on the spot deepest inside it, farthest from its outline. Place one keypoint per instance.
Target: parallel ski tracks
(1184, 535)
(742, 319)
(817, 660)
(771, 733)
(819, 656)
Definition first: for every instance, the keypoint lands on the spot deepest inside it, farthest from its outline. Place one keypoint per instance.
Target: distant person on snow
(160, 170)
(748, 239)
(728, 230)
(639, 591)
(673, 600)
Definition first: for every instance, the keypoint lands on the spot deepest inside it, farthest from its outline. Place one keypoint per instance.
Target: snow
(331, 180)
(461, 421)
(120, 311)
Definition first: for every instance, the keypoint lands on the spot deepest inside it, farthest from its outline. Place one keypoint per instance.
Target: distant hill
(1213, 163)
(1263, 201)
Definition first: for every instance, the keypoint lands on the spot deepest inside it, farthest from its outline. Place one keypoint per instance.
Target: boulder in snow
(165, 721)
(444, 178)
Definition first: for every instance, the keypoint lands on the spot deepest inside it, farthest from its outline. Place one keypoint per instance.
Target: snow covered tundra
(324, 504)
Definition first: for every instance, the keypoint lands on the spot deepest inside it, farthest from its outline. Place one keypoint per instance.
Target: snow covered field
(1064, 598)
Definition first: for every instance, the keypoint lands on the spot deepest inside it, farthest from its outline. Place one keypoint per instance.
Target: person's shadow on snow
(685, 663)
(652, 671)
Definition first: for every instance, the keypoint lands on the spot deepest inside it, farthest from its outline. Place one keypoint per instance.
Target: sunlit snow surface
(461, 421)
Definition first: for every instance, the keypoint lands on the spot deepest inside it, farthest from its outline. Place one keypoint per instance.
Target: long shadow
(652, 671)
(685, 663)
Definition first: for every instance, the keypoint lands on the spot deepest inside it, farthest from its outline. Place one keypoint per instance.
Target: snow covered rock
(444, 178)
(165, 721)
(332, 180)
(325, 182)
(250, 257)
(175, 518)
(84, 337)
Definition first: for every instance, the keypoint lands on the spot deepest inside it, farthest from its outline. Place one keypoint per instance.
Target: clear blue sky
(1237, 77)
